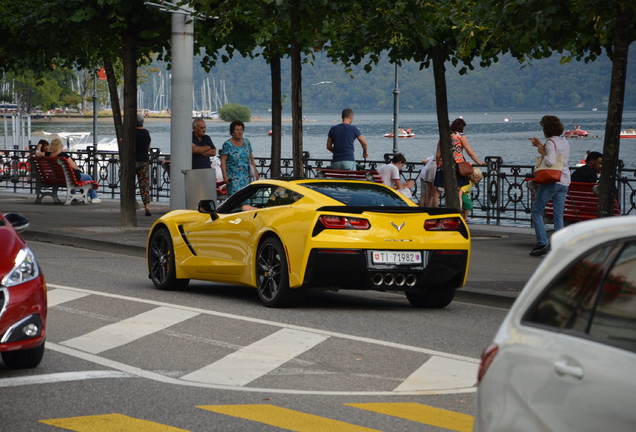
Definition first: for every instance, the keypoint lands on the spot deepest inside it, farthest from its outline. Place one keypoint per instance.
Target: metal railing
(501, 198)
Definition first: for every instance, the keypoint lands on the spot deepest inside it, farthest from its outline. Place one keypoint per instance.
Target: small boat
(71, 141)
(78, 141)
(629, 133)
(576, 133)
(107, 145)
(401, 134)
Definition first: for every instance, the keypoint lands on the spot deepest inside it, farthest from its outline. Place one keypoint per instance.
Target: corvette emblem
(399, 228)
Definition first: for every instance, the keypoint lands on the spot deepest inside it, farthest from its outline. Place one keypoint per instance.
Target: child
(467, 202)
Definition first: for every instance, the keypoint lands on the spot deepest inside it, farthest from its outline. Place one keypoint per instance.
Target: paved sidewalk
(500, 264)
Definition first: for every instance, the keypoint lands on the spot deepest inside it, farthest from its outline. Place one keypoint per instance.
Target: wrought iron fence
(501, 198)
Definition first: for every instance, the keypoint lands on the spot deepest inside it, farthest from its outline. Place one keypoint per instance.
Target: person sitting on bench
(56, 151)
(588, 173)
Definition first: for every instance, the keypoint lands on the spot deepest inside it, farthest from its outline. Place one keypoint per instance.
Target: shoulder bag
(548, 174)
(464, 168)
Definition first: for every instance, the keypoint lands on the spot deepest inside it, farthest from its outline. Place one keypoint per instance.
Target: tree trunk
(450, 181)
(128, 214)
(611, 144)
(114, 98)
(277, 116)
(297, 98)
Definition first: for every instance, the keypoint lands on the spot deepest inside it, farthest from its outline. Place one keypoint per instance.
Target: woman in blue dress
(237, 158)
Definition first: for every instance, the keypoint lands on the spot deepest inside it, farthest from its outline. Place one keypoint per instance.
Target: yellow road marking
(423, 414)
(109, 423)
(285, 418)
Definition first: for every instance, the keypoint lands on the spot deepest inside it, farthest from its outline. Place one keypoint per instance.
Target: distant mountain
(545, 84)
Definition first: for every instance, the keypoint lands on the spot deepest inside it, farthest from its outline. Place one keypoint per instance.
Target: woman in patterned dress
(459, 143)
(237, 158)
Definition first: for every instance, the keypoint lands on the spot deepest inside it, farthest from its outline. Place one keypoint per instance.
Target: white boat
(401, 134)
(78, 141)
(70, 140)
(107, 145)
(629, 133)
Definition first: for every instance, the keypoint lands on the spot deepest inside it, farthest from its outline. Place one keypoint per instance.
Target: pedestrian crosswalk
(275, 356)
(279, 417)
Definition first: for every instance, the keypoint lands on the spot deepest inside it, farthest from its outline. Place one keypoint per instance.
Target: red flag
(101, 74)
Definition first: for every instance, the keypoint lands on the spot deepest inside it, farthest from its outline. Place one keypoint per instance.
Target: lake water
(488, 133)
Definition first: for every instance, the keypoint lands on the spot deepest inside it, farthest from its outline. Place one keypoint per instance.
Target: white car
(564, 358)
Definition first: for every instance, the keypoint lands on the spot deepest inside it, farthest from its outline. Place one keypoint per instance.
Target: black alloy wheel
(161, 262)
(272, 276)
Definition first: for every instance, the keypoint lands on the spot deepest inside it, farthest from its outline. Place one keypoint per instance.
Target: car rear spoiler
(435, 211)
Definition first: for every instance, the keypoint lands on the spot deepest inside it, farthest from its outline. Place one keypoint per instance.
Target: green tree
(244, 28)
(233, 111)
(87, 34)
(574, 28)
(427, 33)
(280, 28)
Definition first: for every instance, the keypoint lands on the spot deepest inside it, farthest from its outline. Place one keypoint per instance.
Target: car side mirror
(208, 207)
(19, 222)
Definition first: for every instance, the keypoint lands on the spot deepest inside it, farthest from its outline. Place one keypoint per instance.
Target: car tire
(432, 299)
(161, 262)
(23, 359)
(272, 276)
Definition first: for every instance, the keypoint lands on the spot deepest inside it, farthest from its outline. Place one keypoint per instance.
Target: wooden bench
(53, 173)
(581, 203)
(352, 175)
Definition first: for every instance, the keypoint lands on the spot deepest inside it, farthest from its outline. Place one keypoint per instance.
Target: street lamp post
(396, 109)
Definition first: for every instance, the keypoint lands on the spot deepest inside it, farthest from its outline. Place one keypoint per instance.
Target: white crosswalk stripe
(58, 296)
(440, 372)
(257, 359)
(129, 330)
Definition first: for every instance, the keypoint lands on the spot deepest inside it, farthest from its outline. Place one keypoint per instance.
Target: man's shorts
(344, 165)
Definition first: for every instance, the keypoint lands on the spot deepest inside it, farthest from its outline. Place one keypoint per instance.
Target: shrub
(234, 111)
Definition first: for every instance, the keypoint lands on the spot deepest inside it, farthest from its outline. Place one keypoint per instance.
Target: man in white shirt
(391, 175)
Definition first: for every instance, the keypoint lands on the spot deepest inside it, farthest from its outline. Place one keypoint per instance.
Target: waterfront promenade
(500, 264)
(501, 198)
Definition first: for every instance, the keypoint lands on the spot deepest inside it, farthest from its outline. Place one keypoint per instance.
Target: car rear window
(358, 194)
(594, 297)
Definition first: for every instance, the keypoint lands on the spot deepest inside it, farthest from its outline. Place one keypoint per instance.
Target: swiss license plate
(396, 257)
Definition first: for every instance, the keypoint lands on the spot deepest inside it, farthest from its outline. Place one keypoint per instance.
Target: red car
(22, 298)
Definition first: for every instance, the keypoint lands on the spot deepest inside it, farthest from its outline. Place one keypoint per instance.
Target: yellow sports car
(285, 237)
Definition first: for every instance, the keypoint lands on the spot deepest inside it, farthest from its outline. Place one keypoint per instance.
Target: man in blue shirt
(202, 146)
(340, 142)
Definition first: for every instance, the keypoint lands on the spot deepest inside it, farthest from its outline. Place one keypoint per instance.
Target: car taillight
(443, 224)
(487, 356)
(358, 223)
(341, 222)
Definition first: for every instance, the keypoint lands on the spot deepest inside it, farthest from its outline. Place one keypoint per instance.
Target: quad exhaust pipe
(391, 279)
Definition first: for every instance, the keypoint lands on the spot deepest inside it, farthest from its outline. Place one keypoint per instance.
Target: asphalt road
(124, 356)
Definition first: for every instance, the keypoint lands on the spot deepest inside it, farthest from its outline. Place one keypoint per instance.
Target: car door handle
(568, 367)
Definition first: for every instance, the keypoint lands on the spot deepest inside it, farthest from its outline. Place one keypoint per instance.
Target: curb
(84, 243)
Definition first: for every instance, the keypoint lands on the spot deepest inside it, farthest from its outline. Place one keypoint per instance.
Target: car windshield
(358, 194)
(259, 196)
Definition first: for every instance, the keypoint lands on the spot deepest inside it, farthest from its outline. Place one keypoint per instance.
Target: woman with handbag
(459, 143)
(552, 178)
